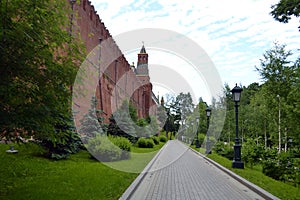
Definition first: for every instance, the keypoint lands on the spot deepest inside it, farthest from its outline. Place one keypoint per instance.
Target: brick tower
(142, 70)
(142, 73)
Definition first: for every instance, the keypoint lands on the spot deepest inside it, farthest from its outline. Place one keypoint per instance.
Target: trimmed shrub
(155, 139)
(105, 150)
(163, 138)
(150, 143)
(121, 142)
(141, 142)
(145, 143)
(124, 144)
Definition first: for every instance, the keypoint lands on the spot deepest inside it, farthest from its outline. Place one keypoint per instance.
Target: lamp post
(208, 113)
(237, 160)
(197, 138)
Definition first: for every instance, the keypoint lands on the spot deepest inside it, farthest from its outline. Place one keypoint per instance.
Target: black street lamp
(197, 138)
(208, 113)
(237, 160)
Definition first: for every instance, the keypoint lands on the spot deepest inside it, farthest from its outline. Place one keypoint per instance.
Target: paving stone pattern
(179, 173)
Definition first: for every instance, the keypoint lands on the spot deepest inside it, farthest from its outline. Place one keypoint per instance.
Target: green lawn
(255, 175)
(28, 175)
(140, 157)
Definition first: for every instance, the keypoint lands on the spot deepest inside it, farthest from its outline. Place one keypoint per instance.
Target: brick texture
(116, 80)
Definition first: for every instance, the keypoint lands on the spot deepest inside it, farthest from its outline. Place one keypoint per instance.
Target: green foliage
(162, 115)
(201, 107)
(153, 125)
(142, 143)
(142, 129)
(121, 123)
(124, 144)
(269, 111)
(91, 123)
(183, 106)
(163, 138)
(284, 167)
(277, 188)
(224, 150)
(177, 111)
(201, 138)
(103, 149)
(121, 142)
(79, 177)
(132, 111)
(251, 152)
(155, 140)
(61, 145)
(141, 122)
(35, 80)
(63, 142)
(285, 9)
(145, 143)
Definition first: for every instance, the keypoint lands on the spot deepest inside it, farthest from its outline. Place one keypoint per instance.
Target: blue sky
(234, 33)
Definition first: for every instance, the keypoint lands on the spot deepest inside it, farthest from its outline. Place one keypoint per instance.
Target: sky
(235, 34)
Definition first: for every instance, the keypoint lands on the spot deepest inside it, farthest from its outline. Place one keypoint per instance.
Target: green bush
(105, 150)
(155, 140)
(270, 168)
(201, 138)
(283, 168)
(150, 143)
(224, 150)
(124, 144)
(163, 138)
(252, 152)
(141, 142)
(63, 141)
(145, 143)
(61, 145)
(121, 142)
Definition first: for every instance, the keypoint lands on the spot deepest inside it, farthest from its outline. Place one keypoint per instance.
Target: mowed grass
(140, 157)
(28, 175)
(255, 175)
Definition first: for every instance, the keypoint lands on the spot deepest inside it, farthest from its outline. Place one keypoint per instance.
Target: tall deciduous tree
(285, 9)
(37, 68)
(293, 106)
(184, 106)
(278, 72)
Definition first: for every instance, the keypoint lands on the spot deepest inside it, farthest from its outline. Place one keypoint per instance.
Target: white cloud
(234, 33)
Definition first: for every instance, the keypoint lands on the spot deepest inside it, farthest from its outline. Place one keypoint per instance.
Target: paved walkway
(178, 172)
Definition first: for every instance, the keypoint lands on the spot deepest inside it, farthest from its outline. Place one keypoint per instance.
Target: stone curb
(263, 193)
(134, 185)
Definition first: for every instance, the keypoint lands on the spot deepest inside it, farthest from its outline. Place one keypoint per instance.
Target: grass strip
(255, 175)
(28, 175)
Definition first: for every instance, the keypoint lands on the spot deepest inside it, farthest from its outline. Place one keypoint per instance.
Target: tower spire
(143, 50)
(142, 64)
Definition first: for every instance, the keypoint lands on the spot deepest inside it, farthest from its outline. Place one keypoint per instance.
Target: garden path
(178, 172)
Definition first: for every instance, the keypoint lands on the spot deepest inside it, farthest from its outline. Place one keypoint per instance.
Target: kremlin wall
(118, 80)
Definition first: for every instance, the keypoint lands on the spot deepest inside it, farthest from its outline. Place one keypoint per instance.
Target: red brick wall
(117, 69)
